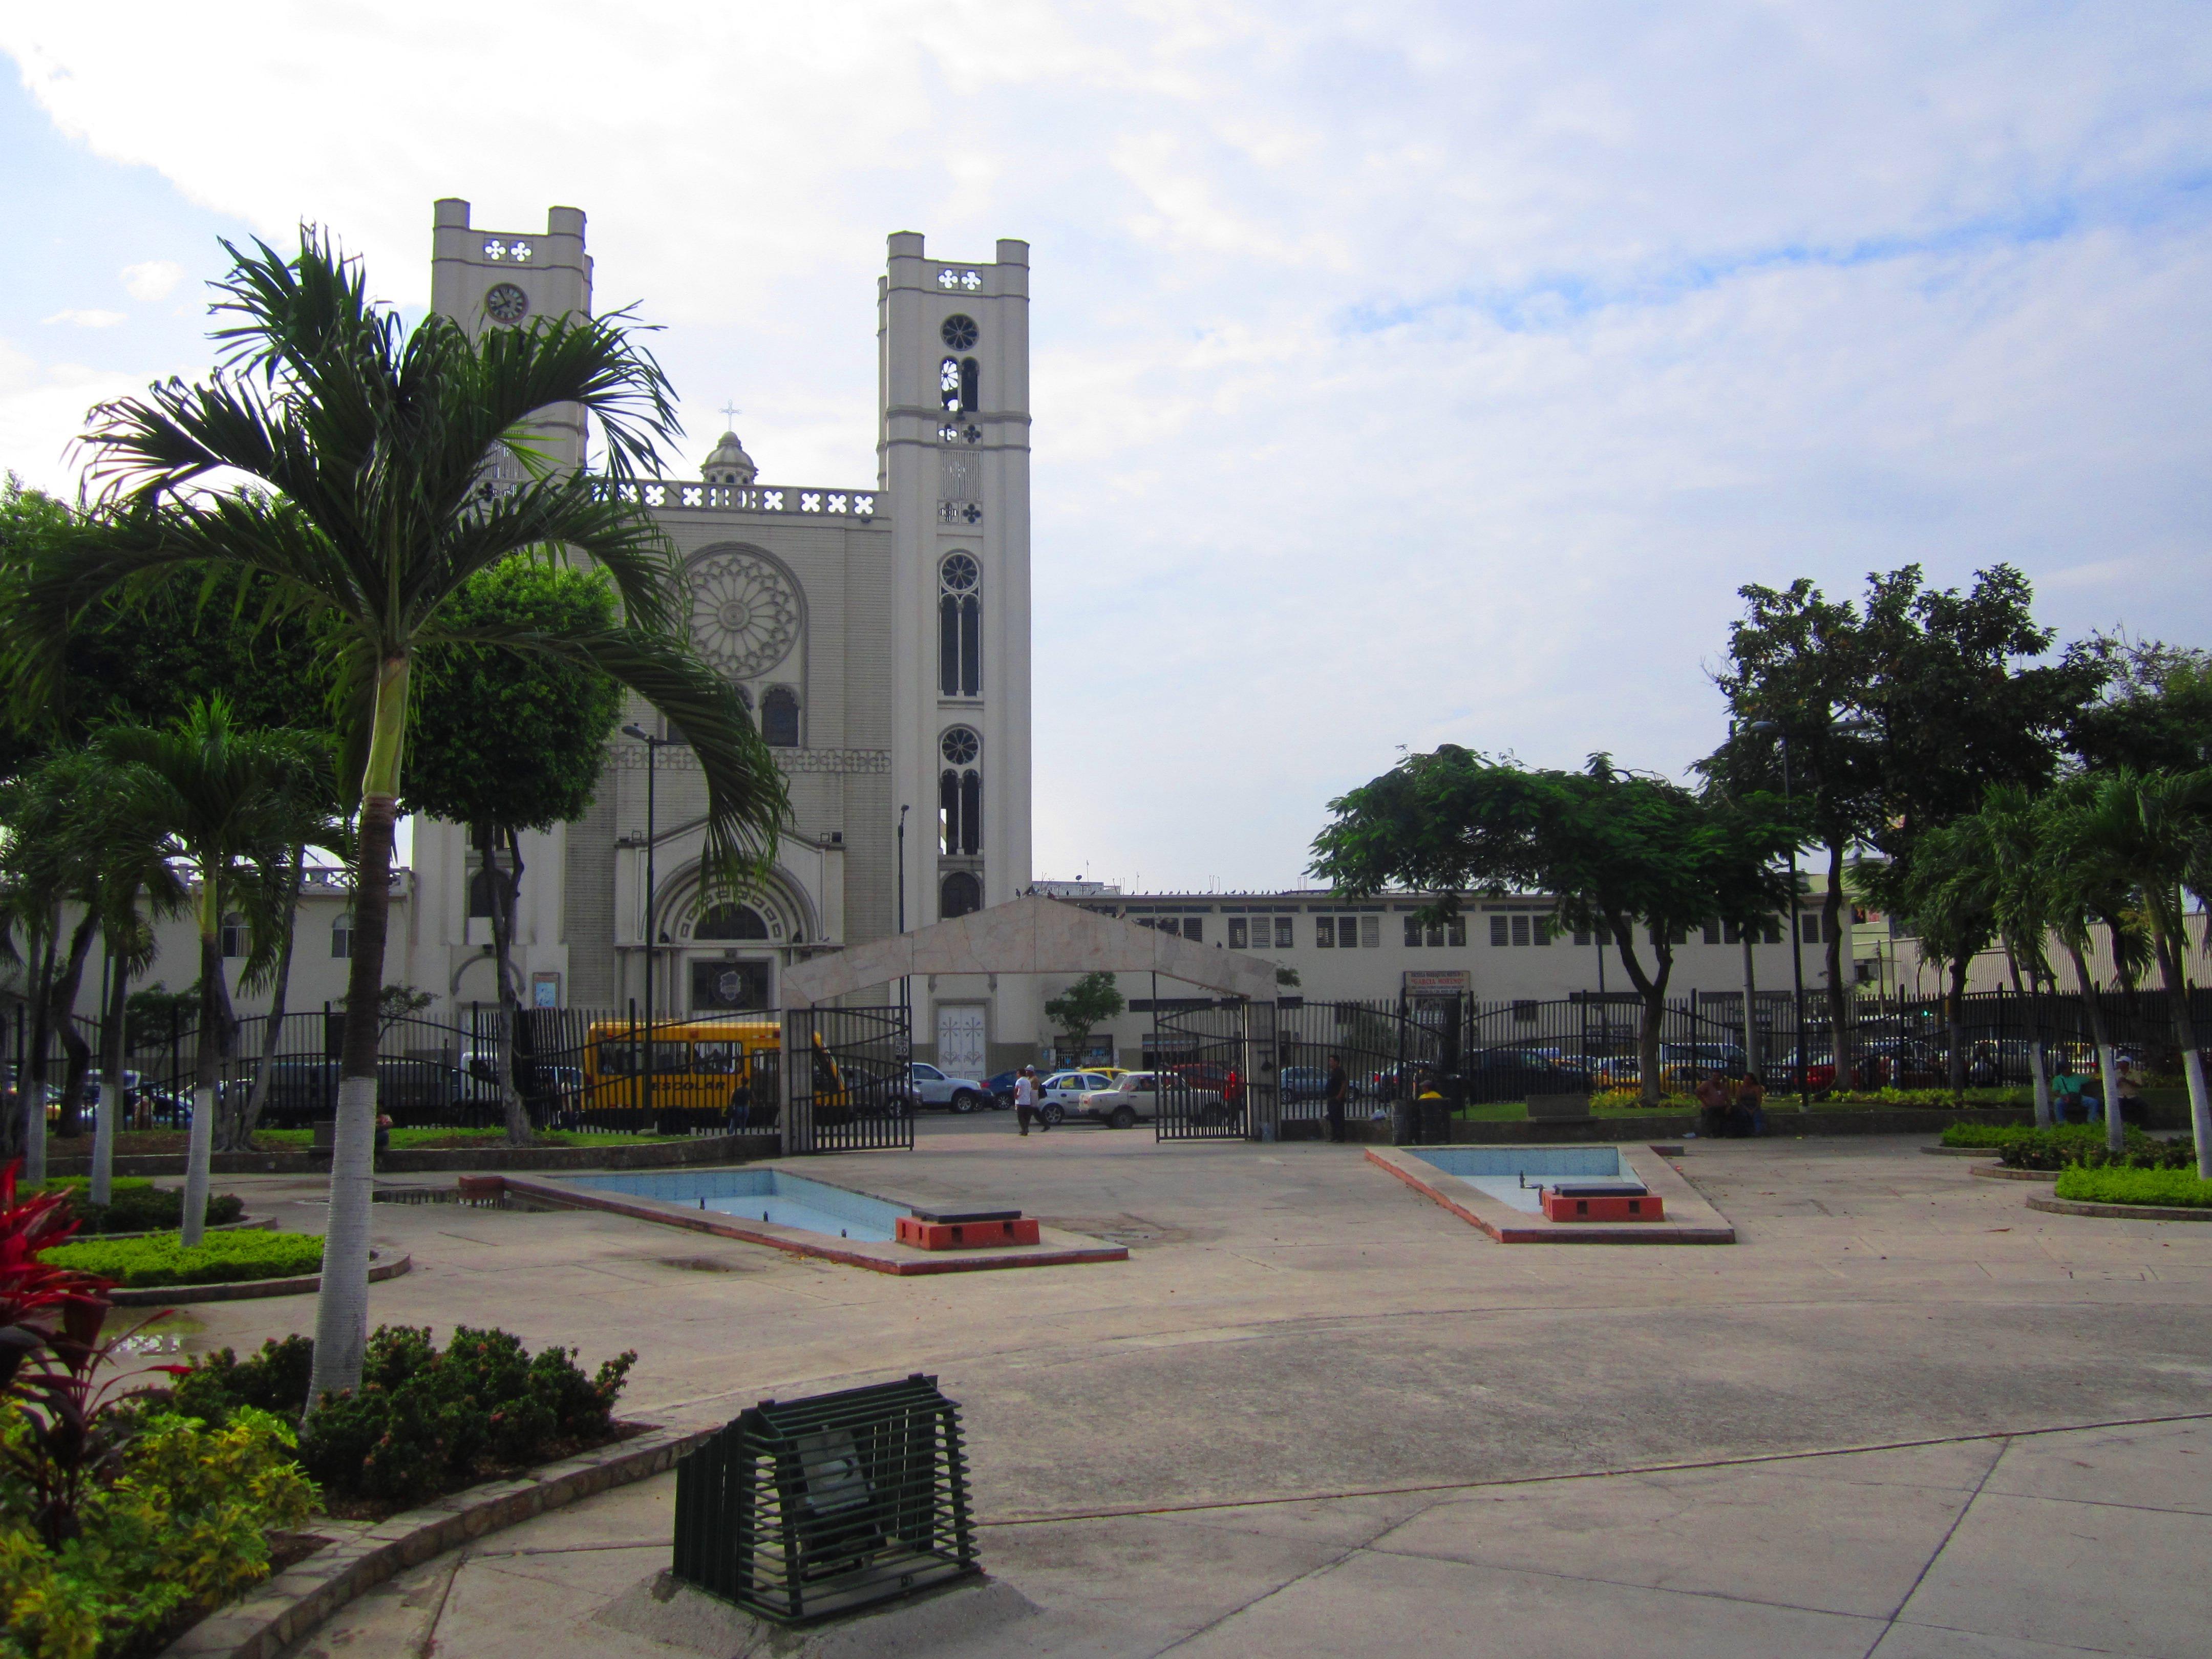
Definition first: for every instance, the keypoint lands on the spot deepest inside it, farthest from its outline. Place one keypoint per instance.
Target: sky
(1402, 374)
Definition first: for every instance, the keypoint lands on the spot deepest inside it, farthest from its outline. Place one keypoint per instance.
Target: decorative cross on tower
(730, 413)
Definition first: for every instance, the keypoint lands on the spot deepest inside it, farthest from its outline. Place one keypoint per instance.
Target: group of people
(1731, 1109)
(2079, 1098)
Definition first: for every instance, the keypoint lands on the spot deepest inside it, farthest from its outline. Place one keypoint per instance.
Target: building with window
(879, 630)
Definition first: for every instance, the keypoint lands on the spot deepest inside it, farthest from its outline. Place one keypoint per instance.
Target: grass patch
(434, 1139)
(222, 1259)
(2179, 1188)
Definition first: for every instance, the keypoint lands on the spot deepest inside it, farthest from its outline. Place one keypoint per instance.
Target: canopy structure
(1030, 935)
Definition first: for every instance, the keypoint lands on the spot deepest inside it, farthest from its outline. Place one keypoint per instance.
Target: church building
(878, 629)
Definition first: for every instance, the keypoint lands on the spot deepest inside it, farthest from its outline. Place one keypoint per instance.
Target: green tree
(1081, 1006)
(504, 746)
(2086, 885)
(231, 803)
(1945, 896)
(1617, 851)
(369, 452)
(2156, 713)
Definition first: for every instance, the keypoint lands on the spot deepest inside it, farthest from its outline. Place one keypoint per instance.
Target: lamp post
(906, 981)
(1796, 926)
(653, 747)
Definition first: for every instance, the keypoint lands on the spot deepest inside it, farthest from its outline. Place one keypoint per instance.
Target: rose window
(959, 332)
(744, 615)
(960, 746)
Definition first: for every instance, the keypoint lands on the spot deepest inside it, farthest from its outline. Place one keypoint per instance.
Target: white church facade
(880, 633)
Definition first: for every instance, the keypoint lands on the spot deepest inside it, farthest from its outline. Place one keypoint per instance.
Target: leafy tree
(1616, 850)
(230, 803)
(505, 746)
(2155, 715)
(1944, 892)
(367, 449)
(1081, 1006)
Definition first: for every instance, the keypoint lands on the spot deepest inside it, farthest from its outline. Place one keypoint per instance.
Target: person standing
(1026, 1100)
(1340, 1092)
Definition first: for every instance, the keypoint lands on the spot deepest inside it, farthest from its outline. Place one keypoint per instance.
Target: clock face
(507, 303)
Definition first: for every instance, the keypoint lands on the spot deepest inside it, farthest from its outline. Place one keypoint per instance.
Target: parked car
(928, 1087)
(1135, 1097)
(1512, 1073)
(1303, 1082)
(1001, 1087)
(1063, 1090)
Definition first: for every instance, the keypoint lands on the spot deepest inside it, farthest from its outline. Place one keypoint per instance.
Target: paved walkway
(1295, 1326)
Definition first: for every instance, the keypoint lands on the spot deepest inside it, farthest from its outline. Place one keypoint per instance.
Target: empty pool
(1517, 1175)
(771, 1195)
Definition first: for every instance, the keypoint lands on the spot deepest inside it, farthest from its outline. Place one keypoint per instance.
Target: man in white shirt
(1026, 1100)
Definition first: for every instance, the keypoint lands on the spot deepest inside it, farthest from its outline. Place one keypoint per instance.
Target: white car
(1063, 1092)
(931, 1087)
(1134, 1098)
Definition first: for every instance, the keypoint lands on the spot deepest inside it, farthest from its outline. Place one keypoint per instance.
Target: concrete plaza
(1313, 1412)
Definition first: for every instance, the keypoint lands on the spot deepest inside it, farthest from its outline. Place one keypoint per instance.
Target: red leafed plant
(33, 1294)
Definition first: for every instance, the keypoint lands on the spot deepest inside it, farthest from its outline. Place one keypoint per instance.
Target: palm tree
(369, 451)
(2009, 832)
(2154, 830)
(231, 802)
(2085, 885)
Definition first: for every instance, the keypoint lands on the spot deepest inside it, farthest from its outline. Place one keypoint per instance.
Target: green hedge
(2178, 1187)
(1997, 1136)
(222, 1259)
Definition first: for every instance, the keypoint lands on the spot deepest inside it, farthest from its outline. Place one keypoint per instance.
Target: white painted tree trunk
(342, 1310)
(195, 1166)
(2200, 1110)
(2115, 1133)
(2042, 1084)
(103, 1137)
(34, 1133)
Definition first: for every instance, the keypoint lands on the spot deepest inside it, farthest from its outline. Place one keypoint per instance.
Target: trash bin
(1435, 1120)
(1405, 1123)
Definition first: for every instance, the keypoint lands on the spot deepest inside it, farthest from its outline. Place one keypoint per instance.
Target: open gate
(852, 1095)
(1216, 1063)
(1389, 1051)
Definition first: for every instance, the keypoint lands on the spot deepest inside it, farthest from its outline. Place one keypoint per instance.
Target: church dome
(728, 463)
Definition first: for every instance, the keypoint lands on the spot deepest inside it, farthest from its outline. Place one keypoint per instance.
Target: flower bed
(2065, 1145)
(220, 1258)
(2178, 1189)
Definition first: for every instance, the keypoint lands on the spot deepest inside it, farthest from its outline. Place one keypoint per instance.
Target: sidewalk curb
(286, 1608)
(2120, 1212)
(1999, 1172)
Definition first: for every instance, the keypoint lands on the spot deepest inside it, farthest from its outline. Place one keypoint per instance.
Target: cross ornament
(730, 413)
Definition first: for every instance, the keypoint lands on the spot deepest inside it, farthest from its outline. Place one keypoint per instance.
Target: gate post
(796, 1052)
(1262, 1108)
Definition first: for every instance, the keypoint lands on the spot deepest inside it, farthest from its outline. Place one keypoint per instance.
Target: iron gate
(1216, 1069)
(1388, 1050)
(854, 1093)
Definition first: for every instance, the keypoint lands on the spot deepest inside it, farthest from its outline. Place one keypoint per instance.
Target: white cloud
(87, 318)
(1401, 372)
(152, 279)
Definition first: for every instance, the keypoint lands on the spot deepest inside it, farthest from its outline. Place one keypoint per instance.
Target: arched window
(235, 937)
(960, 794)
(730, 922)
(342, 937)
(480, 892)
(960, 626)
(960, 895)
(779, 717)
(971, 385)
(948, 383)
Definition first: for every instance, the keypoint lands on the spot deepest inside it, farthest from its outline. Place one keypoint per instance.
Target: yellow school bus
(730, 1068)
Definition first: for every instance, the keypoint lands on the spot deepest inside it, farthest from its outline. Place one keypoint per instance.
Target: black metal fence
(801, 1509)
(1217, 1076)
(856, 1093)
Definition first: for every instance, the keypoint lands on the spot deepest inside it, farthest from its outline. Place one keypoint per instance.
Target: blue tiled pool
(1516, 1174)
(773, 1196)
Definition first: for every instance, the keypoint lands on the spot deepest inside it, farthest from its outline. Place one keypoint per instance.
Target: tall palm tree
(2153, 830)
(2086, 884)
(368, 451)
(2009, 831)
(232, 802)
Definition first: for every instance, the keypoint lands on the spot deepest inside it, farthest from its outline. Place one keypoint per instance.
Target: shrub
(181, 1527)
(423, 1421)
(2116, 1185)
(147, 1209)
(222, 1259)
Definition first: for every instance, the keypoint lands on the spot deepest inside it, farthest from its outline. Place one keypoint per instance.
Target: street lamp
(1796, 924)
(653, 747)
(906, 981)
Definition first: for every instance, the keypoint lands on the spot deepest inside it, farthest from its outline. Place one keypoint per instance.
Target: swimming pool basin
(776, 1196)
(1518, 1175)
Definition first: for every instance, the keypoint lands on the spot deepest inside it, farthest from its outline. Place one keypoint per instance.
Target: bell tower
(953, 464)
(495, 279)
